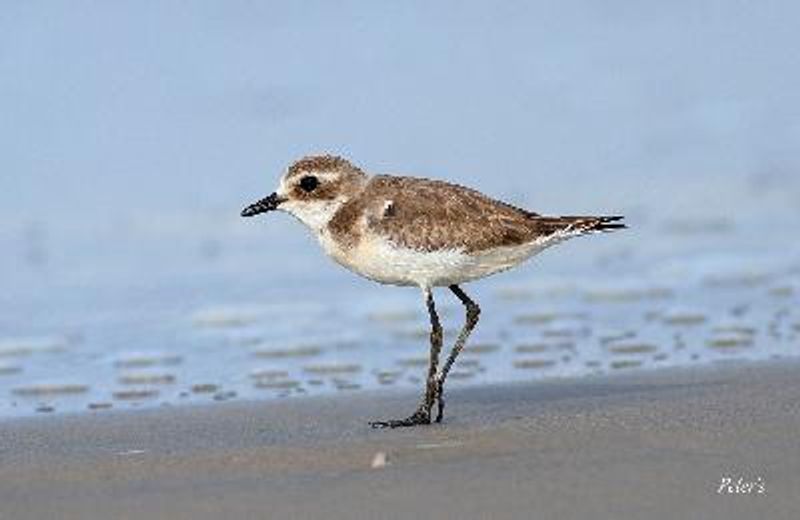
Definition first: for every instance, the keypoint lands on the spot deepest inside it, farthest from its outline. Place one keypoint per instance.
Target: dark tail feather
(602, 224)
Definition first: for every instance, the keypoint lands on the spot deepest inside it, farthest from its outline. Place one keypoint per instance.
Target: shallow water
(129, 280)
(340, 335)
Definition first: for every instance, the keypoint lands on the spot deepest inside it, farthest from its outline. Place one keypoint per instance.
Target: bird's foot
(434, 394)
(421, 416)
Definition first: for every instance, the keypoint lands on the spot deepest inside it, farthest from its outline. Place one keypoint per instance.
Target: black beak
(262, 206)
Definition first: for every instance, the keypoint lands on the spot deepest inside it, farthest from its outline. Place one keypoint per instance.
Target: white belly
(383, 262)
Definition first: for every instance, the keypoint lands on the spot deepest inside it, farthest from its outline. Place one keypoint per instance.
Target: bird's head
(312, 190)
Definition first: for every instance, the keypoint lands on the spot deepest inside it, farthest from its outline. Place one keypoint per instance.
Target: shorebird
(419, 232)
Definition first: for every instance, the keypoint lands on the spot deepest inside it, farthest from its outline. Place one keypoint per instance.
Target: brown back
(430, 215)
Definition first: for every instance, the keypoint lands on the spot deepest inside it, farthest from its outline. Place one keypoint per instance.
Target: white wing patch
(388, 209)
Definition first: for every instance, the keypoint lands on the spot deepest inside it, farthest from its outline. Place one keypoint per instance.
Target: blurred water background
(132, 133)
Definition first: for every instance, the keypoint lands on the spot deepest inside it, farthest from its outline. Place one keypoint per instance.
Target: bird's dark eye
(309, 183)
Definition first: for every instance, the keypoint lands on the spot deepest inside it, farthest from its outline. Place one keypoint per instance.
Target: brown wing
(430, 215)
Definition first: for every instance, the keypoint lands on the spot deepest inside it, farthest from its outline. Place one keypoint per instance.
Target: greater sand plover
(417, 232)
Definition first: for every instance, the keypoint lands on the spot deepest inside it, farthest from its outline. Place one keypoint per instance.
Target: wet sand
(651, 444)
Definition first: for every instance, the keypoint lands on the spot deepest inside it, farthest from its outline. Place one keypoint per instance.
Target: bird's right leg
(473, 313)
(423, 413)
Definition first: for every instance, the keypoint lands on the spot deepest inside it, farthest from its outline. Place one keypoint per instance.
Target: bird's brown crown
(322, 163)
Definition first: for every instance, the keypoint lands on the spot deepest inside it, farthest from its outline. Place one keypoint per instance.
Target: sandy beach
(653, 444)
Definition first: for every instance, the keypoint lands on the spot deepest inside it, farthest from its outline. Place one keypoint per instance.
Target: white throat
(316, 214)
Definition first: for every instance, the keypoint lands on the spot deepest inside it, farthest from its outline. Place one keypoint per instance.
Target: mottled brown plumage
(430, 215)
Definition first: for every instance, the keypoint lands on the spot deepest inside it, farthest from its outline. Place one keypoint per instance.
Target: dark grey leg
(473, 313)
(432, 385)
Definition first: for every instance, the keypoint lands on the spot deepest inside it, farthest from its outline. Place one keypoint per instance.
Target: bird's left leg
(473, 313)
(432, 384)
